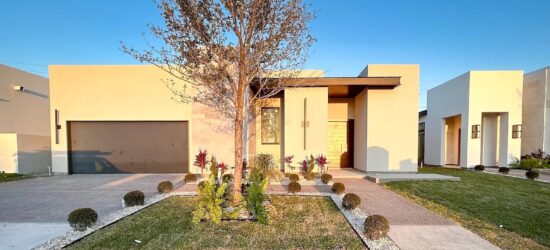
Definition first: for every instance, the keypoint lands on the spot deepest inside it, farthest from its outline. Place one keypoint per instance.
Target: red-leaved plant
(222, 167)
(303, 166)
(200, 160)
(288, 161)
(321, 161)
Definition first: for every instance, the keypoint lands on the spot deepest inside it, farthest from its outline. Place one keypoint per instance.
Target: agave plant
(321, 161)
(200, 160)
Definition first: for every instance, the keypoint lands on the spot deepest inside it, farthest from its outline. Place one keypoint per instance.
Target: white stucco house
(536, 111)
(475, 118)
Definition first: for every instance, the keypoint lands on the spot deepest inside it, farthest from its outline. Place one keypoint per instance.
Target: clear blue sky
(447, 38)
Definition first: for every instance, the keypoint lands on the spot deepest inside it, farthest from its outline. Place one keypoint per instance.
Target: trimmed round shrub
(326, 178)
(190, 178)
(338, 188)
(134, 198)
(531, 174)
(479, 167)
(294, 178)
(294, 187)
(82, 218)
(227, 178)
(503, 170)
(165, 187)
(376, 227)
(351, 201)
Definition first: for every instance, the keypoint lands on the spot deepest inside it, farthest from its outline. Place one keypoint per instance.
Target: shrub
(322, 162)
(227, 178)
(503, 170)
(255, 200)
(294, 187)
(200, 160)
(351, 201)
(201, 184)
(376, 227)
(529, 162)
(190, 178)
(310, 165)
(338, 188)
(134, 198)
(326, 178)
(532, 174)
(82, 218)
(294, 178)
(210, 200)
(479, 167)
(263, 166)
(165, 187)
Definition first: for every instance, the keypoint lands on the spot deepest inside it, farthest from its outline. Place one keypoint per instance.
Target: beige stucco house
(113, 119)
(475, 118)
(24, 122)
(536, 111)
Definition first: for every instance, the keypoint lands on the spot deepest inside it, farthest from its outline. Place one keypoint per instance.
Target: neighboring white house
(536, 111)
(475, 118)
(24, 122)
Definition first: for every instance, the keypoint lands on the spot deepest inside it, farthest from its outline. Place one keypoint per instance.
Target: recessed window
(270, 125)
(516, 131)
(475, 131)
(421, 127)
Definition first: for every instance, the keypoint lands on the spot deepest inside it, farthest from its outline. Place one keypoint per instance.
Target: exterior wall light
(18, 88)
(516, 131)
(476, 131)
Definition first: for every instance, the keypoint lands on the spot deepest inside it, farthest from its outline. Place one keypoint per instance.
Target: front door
(340, 144)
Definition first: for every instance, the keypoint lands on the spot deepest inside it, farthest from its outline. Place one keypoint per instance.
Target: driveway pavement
(35, 210)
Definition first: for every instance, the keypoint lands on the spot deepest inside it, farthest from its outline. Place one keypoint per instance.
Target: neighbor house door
(340, 144)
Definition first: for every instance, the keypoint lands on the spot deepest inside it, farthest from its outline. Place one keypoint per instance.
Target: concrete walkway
(544, 174)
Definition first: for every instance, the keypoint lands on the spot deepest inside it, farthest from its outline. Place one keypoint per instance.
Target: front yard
(509, 212)
(6, 177)
(299, 222)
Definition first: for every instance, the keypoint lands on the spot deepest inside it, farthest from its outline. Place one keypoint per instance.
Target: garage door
(128, 147)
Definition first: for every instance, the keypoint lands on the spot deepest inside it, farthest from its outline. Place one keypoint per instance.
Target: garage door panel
(129, 147)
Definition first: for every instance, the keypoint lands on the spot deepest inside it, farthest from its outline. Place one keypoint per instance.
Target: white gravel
(302, 181)
(355, 217)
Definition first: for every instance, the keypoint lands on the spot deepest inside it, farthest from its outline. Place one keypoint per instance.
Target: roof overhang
(337, 86)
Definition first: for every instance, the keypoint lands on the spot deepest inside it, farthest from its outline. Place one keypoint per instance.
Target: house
(474, 119)
(123, 119)
(536, 112)
(24, 122)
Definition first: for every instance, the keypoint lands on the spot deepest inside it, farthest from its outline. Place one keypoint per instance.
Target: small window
(475, 131)
(516, 131)
(270, 125)
(421, 127)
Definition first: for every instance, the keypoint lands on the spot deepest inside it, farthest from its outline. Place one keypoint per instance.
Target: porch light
(516, 131)
(475, 131)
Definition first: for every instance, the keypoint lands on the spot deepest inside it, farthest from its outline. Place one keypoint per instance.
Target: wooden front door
(340, 144)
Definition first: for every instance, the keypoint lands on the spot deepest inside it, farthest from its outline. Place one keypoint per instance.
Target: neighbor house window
(475, 131)
(516, 131)
(270, 125)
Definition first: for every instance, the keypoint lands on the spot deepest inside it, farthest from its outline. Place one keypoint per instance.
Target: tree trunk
(238, 175)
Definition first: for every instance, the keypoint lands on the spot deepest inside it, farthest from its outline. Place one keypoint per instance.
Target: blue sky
(447, 38)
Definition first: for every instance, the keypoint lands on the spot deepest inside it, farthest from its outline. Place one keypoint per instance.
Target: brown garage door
(128, 147)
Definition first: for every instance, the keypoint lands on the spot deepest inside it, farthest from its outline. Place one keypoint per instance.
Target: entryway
(340, 144)
(453, 133)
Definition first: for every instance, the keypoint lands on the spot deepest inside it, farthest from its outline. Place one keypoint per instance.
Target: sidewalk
(544, 175)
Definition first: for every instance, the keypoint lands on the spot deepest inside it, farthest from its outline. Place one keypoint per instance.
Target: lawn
(5, 177)
(300, 222)
(482, 202)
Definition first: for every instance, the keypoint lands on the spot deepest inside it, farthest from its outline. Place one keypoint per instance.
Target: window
(475, 131)
(421, 127)
(270, 125)
(516, 131)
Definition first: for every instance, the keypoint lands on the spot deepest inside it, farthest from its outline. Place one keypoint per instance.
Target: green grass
(482, 202)
(300, 222)
(5, 177)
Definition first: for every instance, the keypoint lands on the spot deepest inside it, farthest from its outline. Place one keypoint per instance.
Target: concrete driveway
(35, 210)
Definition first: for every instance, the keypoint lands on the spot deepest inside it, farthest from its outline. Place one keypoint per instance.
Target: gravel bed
(355, 217)
(302, 181)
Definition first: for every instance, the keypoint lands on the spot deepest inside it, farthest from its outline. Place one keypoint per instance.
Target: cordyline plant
(218, 48)
(222, 167)
(200, 160)
(288, 161)
(321, 161)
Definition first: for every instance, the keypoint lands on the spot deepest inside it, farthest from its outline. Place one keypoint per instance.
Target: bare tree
(220, 49)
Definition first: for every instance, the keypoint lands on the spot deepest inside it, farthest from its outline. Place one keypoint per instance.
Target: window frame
(278, 121)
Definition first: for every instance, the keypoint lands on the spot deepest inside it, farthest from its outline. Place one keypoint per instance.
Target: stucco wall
(273, 149)
(111, 93)
(536, 112)
(392, 121)
(444, 101)
(317, 115)
(26, 114)
(495, 92)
